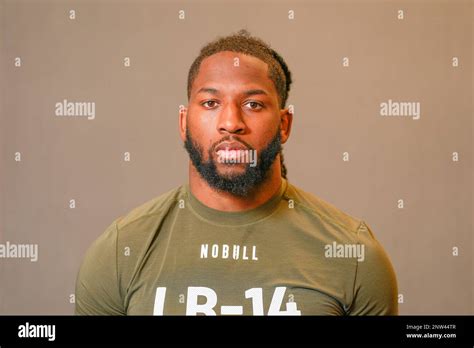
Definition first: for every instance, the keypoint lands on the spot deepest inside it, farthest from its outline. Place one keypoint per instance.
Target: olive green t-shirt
(294, 255)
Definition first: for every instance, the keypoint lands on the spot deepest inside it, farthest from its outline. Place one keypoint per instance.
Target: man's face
(233, 106)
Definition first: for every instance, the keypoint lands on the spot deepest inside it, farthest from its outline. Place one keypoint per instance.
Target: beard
(237, 184)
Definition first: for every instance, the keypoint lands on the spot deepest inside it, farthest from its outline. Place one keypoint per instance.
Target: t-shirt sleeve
(375, 284)
(97, 286)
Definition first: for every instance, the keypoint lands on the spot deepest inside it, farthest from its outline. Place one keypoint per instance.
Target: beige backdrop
(337, 110)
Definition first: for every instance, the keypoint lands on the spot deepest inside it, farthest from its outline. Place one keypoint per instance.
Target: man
(238, 239)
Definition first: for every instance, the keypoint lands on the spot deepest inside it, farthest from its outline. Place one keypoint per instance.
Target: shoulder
(322, 211)
(151, 209)
(134, 228)
(109, 263)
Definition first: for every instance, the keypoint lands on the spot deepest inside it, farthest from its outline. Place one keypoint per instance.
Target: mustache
(230, 138)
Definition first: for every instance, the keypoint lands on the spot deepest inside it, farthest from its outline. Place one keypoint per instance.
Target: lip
(229, 146)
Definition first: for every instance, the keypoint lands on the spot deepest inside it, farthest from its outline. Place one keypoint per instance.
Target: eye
(210, 104)
(254, 105)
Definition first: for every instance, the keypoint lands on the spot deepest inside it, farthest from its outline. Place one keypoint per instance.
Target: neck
(226, 201)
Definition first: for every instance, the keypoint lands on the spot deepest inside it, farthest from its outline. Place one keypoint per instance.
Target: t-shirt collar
(244, 217)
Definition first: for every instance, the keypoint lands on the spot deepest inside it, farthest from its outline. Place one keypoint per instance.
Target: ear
(286, 119)
(183, 112)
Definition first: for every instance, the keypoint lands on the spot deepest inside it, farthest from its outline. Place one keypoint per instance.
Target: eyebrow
(247, 92)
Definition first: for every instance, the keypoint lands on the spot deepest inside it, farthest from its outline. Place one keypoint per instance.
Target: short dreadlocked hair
(243, 42)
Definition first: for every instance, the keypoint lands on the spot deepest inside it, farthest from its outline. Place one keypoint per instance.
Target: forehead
(220, 68)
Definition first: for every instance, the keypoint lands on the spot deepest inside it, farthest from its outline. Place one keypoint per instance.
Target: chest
(194, 269)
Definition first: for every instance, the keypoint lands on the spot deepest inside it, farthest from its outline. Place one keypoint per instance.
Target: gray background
(336, 110)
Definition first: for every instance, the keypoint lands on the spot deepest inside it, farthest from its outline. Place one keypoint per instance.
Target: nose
(230, 120)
